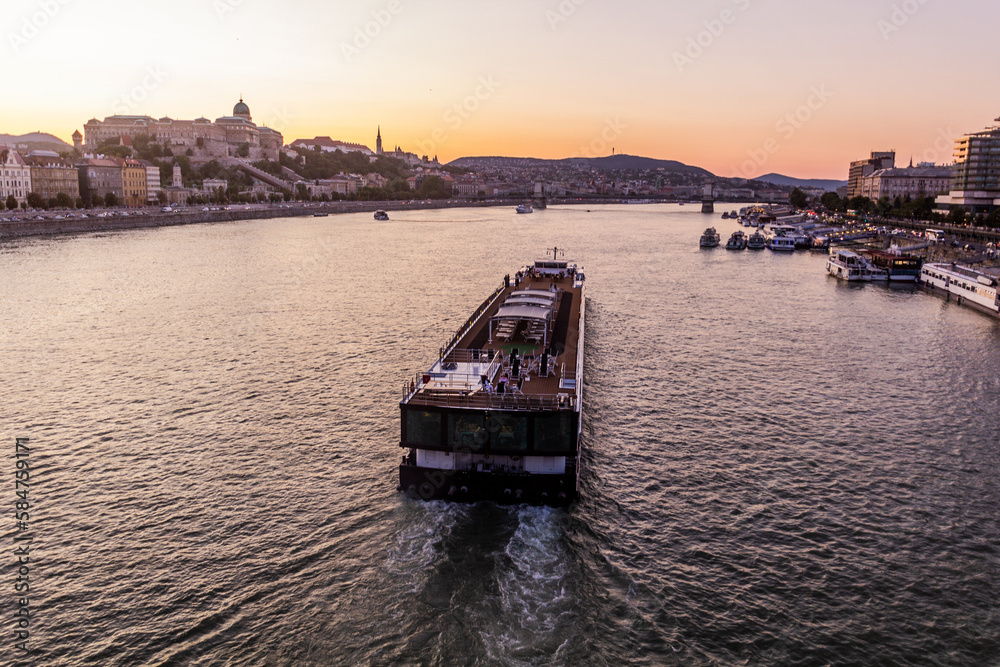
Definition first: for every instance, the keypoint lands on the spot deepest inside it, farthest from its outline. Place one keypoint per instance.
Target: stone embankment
(192, 216)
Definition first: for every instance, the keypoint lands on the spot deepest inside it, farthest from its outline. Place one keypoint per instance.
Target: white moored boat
(851, 266)
(971, 287)
(781, 243)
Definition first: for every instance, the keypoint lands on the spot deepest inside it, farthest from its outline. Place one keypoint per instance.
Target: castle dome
(241, 110)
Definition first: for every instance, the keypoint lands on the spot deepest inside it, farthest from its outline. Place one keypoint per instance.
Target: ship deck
(478, 350)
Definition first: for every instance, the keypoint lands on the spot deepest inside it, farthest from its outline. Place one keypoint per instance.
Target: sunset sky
(739, 87)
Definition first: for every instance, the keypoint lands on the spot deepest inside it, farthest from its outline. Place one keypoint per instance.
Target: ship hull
(501, 488)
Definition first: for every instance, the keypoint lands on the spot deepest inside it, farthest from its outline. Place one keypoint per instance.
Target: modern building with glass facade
(975, 179)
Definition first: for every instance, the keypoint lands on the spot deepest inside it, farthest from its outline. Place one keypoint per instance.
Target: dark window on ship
(509, 432)
(554, 433)
(467, 433)
(423, 428)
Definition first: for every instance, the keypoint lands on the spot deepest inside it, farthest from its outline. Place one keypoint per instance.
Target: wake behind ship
(498, 415)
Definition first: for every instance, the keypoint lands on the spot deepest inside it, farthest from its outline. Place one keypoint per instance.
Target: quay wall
(77, 226)
(151, 218)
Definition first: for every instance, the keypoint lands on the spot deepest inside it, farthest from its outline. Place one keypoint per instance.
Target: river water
(778, 468)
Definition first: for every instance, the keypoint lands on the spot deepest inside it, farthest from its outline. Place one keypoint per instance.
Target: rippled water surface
(778, 469)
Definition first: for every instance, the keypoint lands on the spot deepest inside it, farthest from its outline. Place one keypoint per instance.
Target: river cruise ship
(497, 416)
(969, 286)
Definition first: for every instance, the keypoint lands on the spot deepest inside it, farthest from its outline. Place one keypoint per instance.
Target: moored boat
(900, 266)
(738, 241)
(497, 416)
(781, 243)
(852, 267)
(709, 238)
(802, 241)
(970, 287)
(757, 241)
(524, 208)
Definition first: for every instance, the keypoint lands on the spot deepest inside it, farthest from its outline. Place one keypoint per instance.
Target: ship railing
(449, 382)
(480, 400)
(567, 377)
(470, 356)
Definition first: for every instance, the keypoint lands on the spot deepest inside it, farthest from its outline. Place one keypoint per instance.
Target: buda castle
(207, 140)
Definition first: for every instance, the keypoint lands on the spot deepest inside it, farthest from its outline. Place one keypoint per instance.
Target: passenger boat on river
(852, 267)
(497, 416)
(709, 238)
(969, 286)
(757, 241)
(781, 243)
(900, 266)
(738, 241)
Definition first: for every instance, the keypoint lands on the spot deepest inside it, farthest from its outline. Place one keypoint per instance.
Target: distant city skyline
(738, 87)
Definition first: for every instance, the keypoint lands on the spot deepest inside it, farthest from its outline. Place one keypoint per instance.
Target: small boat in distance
(710, 238)
(725, 216)
(381, 215)
(757, 241)
(738, 241)
(524, 208)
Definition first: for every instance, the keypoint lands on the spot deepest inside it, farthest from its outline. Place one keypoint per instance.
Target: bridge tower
(708, 198)
(539, 200)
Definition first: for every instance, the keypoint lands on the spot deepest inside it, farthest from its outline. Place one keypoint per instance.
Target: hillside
(609, 163)
(34, 137)
(35, 141)
(818, 183)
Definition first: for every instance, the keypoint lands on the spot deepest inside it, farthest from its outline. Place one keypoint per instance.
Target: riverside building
(134, 188)
(862, 168)
(912, 182)
(975, 182)
(100, 177)
(51, 175)
(15, 175)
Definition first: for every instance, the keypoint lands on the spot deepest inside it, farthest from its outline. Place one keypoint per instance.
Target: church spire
(378, 141)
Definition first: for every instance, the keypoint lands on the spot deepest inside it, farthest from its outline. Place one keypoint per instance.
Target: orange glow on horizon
(529, 79)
